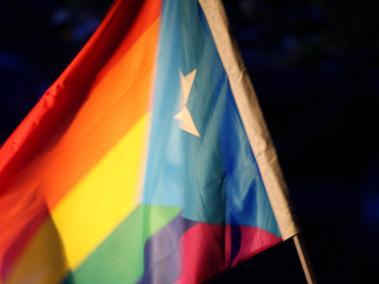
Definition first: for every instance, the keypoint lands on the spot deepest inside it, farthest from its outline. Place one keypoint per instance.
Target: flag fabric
(147, 161)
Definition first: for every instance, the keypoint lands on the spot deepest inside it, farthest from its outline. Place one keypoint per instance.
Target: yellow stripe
(43, 261)
(103, 198)
(89, 213)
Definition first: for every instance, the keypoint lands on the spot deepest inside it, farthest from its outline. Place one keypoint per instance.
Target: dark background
(315, 66)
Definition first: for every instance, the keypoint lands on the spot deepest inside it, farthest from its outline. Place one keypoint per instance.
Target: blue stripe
(214, 178)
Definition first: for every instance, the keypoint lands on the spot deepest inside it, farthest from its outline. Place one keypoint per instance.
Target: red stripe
(206, 249)
(254, 241)
(45, 123)
(22, 207)
(14, 237)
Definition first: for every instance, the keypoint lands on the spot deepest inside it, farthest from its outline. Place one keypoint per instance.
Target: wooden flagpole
(304, 259)
(255, 127)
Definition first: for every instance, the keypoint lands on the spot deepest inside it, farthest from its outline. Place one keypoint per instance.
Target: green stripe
(120, 258)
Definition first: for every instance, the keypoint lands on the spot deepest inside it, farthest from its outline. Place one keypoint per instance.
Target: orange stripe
(42, 128)
(49, 170)
(88, 214)
(114, 106)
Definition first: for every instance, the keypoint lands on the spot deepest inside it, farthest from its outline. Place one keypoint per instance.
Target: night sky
(315, 67)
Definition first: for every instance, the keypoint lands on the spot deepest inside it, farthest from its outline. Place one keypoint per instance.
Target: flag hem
(252, 117)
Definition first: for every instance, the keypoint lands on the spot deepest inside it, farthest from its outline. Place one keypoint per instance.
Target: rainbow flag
(147, 161)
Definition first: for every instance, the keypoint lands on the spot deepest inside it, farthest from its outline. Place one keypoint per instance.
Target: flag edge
(251, 116)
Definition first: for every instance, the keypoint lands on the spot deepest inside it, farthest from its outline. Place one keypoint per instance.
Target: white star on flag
(184, 116)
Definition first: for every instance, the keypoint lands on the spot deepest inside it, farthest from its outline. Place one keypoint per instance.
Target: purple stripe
(162, 253)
